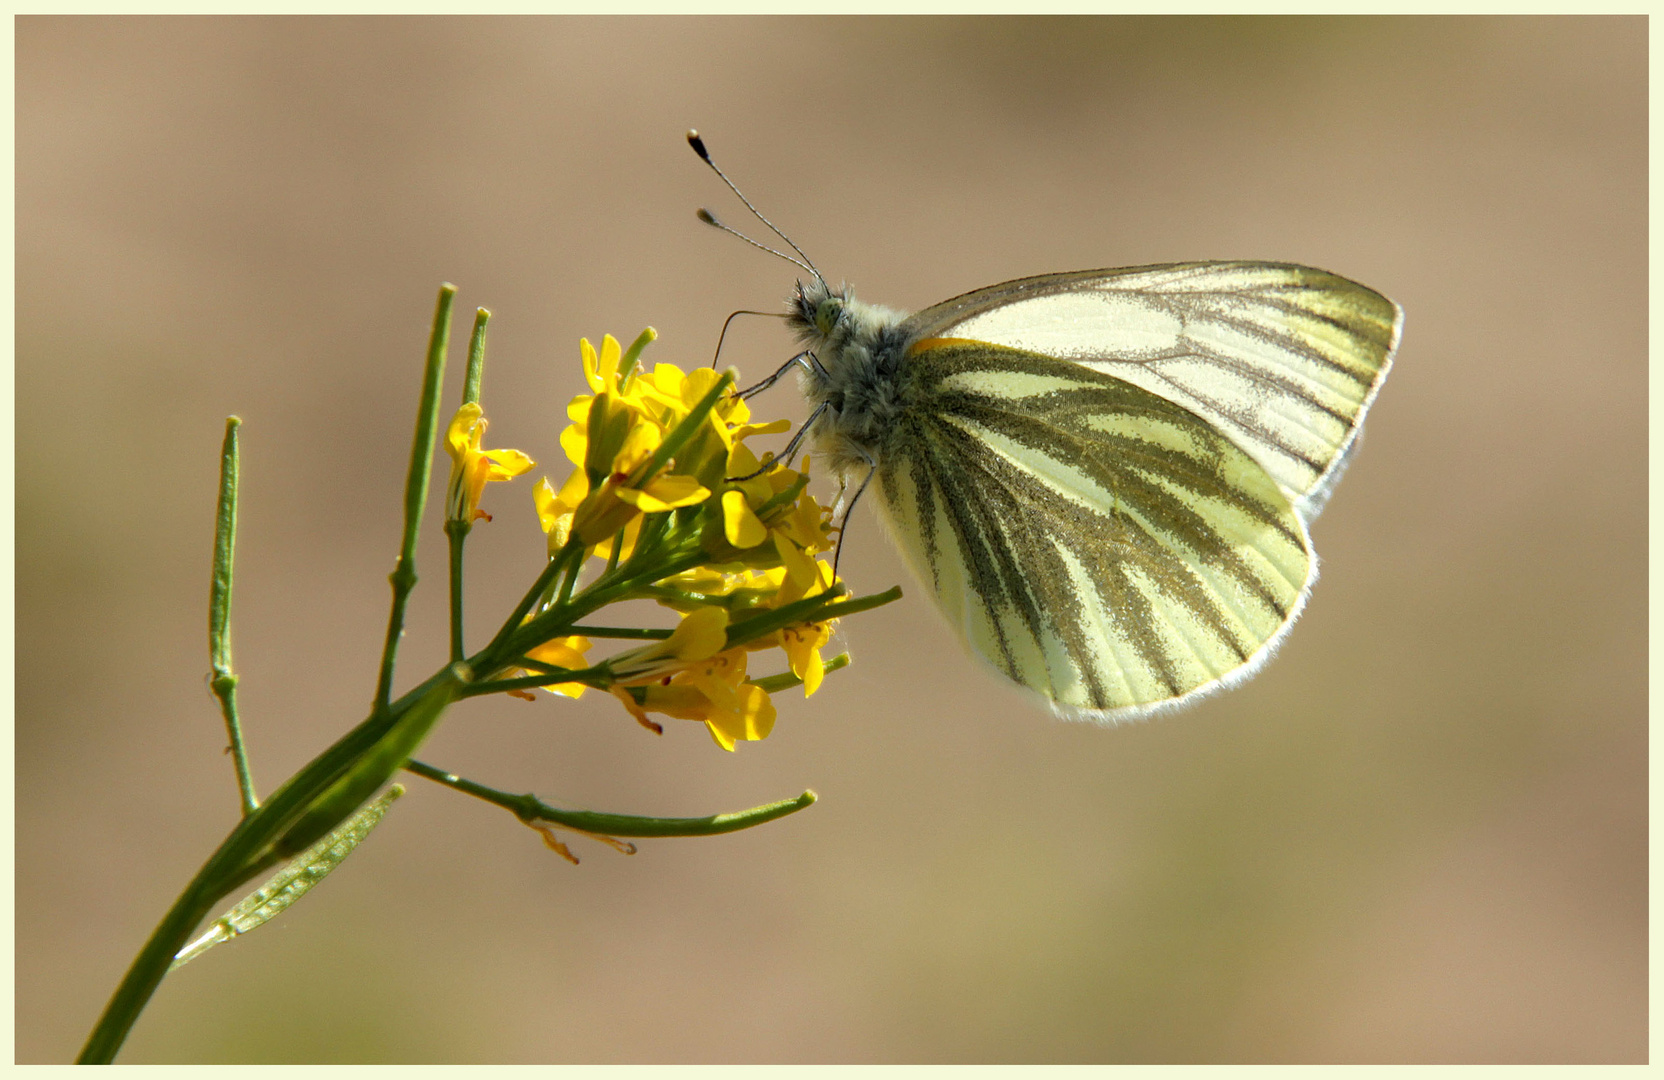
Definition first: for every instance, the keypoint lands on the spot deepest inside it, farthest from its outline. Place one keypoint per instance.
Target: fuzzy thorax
(859, 374)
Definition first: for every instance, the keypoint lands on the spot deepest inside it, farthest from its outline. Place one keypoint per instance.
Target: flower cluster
(671, 505)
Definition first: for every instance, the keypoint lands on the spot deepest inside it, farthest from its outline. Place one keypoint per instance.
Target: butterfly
(1105, 478)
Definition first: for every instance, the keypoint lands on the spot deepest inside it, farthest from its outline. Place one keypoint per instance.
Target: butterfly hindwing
(1282, 359)
(1094, 541)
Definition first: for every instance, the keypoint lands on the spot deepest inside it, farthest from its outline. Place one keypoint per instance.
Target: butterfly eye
(826, 314)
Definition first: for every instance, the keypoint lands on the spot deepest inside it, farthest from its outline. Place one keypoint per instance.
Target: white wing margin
(1282, 359)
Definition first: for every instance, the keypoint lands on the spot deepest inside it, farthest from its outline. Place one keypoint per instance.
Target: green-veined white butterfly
(1105, 477)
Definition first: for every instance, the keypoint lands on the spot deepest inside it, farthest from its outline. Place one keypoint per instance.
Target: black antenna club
(708, 218)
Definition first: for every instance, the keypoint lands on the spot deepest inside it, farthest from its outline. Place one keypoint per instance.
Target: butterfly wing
(1094, 541)
(1283, 359)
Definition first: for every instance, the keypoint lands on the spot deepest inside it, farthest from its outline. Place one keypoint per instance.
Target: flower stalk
(664, 502)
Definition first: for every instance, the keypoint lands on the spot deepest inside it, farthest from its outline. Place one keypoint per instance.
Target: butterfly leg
(843, 525)
(770, 460)
(800, 360)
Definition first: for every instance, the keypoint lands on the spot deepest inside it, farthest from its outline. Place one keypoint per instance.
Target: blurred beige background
(1419, 835)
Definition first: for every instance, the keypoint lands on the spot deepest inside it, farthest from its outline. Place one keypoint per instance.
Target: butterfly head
(836, 326)
(817, 311)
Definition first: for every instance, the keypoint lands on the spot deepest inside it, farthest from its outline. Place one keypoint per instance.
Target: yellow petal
(575, 441)
(733, 410)
(802, 647)
(742, 462)
(668, 378)
(507, 464)
(739, 523)
(554, 512)
(697, 384)
(592, 365)
(574, 490)
(719, 694)
(759, 711)
(753, 719)
(565, 652)
(702, 579)
(665, 493)
(461, 435)
(720, 736)
(815, 672)
(701, 634)
(631, 530)
(610, 355)
(800, 567)
(744, 430)
(543, 497)
(663, 387)
(639, 444)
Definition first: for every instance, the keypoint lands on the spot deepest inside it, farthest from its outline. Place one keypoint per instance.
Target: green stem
(146, 973)
(529, 808)
(287, 822)
(551, 572)
(598, 594)
(403, 577)
(600, 677)
(224, 679)
(456, 533)
(630, 632)
(570, 580)
(617, 549)
(786, 680)
(815, 608)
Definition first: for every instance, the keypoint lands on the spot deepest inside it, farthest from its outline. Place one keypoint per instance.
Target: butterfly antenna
(711, 219)
(708, 218)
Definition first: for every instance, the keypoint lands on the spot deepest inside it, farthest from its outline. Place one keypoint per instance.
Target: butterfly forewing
(1093, 540)
(1283, 359)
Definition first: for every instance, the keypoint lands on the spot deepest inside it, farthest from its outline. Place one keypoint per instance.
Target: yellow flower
(802, 645)
(690, 676)
(472, 468)
(712, 690)
(564, 652)
(749, 590)
(786, 535)
(555, 509)
(739, 524)
(700, 635)
(601, 372)
(618, 451)
(760, 536)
